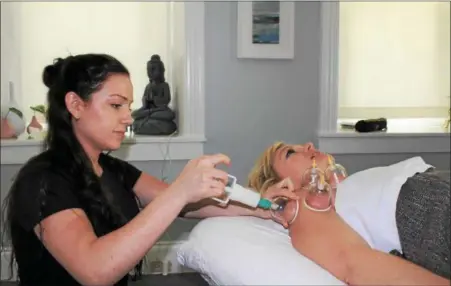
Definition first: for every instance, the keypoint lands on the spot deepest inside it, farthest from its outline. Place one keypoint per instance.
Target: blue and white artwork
(265, 22)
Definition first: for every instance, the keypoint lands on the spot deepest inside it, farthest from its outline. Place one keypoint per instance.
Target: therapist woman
(73, 212)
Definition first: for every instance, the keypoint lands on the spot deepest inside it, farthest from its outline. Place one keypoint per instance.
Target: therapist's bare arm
(148, 188)
(92, 260)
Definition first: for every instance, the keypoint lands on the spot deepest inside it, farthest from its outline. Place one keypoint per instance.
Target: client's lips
(122, 133)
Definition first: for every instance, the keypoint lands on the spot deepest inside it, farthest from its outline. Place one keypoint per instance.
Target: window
(130, 31)
(394, 59)
(385, 59)
(33, 34)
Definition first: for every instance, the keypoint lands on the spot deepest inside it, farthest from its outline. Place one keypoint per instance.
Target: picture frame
(261, 33)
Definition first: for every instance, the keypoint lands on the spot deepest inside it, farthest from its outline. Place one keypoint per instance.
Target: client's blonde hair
(263, 175)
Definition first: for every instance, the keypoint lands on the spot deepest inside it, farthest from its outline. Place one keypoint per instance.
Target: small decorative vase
(12, 122)
(34, 128)
(7, 131)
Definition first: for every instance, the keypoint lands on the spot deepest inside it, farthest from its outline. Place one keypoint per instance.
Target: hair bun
(155, 58)
(51, 72)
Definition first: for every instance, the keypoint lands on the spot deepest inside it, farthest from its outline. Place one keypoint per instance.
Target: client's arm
(372, 267)
(323, 237)
(328, 241)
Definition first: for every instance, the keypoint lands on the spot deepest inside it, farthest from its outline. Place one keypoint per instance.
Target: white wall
(394, 55)
(130, 31)
(9, 64)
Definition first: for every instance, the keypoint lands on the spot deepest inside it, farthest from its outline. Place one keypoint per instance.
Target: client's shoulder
(410, 166)
(410, 162)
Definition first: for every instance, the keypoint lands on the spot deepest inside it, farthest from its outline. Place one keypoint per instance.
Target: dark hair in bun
(51, 72)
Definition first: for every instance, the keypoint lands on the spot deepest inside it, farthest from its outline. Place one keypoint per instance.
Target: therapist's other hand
(200, 179)
(284, 188)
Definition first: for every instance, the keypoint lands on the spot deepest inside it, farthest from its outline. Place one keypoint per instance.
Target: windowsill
(408, 135)
(136, 148)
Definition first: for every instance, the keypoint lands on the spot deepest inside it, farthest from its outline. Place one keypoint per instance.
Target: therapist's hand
(283, 188)
(200, 179)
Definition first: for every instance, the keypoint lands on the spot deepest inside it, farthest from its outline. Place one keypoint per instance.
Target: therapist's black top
(36, 266)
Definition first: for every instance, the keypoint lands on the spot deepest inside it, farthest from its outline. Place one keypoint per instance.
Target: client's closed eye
(289, 152)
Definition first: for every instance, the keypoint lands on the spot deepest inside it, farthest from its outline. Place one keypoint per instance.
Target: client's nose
(309, 147)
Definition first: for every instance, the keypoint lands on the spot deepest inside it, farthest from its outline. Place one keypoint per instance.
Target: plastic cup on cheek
(312, 176)
(335, 174)
(286, 212)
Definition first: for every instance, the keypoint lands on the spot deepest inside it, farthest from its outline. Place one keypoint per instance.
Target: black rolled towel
(371, 125)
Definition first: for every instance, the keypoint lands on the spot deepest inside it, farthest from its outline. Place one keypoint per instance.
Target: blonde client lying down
(382, 226)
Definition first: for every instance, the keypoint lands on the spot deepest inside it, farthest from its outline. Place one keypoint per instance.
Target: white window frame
(189, 143)
(332, 141)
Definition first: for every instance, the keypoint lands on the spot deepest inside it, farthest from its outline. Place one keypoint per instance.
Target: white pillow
(248, 251)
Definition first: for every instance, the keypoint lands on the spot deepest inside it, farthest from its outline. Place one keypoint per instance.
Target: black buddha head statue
(155, 69)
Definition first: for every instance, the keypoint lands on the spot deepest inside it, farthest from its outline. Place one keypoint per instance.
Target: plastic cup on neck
(318, 197)
(286, 210)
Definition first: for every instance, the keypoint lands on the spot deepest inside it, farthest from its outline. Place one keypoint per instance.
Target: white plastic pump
(238, 193)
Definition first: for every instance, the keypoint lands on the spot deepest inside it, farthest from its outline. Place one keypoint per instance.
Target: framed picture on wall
(265, 29)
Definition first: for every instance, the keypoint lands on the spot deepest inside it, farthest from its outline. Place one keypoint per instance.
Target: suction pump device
(277, 207)
(238, 193)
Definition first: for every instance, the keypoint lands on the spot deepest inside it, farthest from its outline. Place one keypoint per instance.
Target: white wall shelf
(141, 148)
(384, 143)
(408, 135)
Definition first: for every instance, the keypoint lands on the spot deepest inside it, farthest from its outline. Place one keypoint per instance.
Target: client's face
(293, 160)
